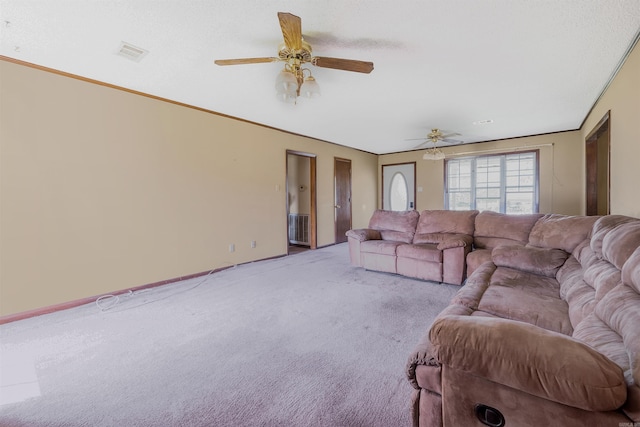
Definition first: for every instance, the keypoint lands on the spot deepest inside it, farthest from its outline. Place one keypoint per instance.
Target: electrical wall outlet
(253, 243)
(232, 247)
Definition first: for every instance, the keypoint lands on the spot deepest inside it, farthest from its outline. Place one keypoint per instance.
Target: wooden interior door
(591, 152)
(342, 207)
(597, 148)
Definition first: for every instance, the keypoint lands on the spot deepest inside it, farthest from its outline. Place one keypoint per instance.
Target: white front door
(398, 187)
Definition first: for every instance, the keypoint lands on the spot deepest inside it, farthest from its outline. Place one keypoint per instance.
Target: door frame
(335, 218)
(603, 127)
(415, 180)
(313, 214)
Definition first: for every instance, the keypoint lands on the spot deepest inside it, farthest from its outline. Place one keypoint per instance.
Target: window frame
(503, 157)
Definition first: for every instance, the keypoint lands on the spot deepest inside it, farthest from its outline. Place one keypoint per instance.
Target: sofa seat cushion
(530, 307)
(515, 295)
(424, 252)
(526, 282)
(543, 262)
(381, 247)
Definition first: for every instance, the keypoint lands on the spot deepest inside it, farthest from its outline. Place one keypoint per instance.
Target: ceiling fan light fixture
(433, 154)
(287, 98)
(310, 87)
(286, 82)
(295, 52)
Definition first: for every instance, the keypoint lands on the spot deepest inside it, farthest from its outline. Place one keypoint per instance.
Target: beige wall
(103, 190)
(562, 165)
(560, 179)
(622, 98)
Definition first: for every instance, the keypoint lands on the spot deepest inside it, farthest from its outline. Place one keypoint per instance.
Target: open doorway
(597, 153)
(301, 202)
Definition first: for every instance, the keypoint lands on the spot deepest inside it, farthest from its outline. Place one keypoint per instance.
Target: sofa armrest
(530, 359)
(456, 241)
(363, 234)
(422, 355)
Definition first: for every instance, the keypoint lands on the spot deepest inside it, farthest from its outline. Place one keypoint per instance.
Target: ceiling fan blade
(291, 26)
(244, 61)
(344, 64)
(450, 134)
(422, 144)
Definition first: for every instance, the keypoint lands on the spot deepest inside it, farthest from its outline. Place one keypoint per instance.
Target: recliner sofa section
(431, 245)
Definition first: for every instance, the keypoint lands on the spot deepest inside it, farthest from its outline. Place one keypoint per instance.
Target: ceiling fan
(434, 136)
(295, 52)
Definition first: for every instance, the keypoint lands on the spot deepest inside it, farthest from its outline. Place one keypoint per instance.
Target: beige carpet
(304, 340)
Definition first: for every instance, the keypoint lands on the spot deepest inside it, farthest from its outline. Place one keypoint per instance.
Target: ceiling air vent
(131, 52)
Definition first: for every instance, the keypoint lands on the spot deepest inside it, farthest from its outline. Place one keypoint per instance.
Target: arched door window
(398, 193)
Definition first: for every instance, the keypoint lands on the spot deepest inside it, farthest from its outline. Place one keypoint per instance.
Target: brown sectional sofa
(545, 331)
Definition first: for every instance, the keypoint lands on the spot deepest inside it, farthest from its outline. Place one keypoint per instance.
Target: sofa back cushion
(620, 311)
(575, 291)
(613, 240)
(620, 243)
(602, 227)
(441, 221)
(631, 271)
(602, 277)
(493, 229)
(393, 225)
(561, 231)
(612, 328)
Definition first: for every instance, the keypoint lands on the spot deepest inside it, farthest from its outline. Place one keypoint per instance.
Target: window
(398, 193)
(506, 183)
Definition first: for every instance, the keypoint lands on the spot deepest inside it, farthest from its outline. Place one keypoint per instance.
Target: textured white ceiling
(530, 66)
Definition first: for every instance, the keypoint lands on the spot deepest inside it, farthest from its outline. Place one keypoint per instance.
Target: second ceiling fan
(434, 153)
(295, 52)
